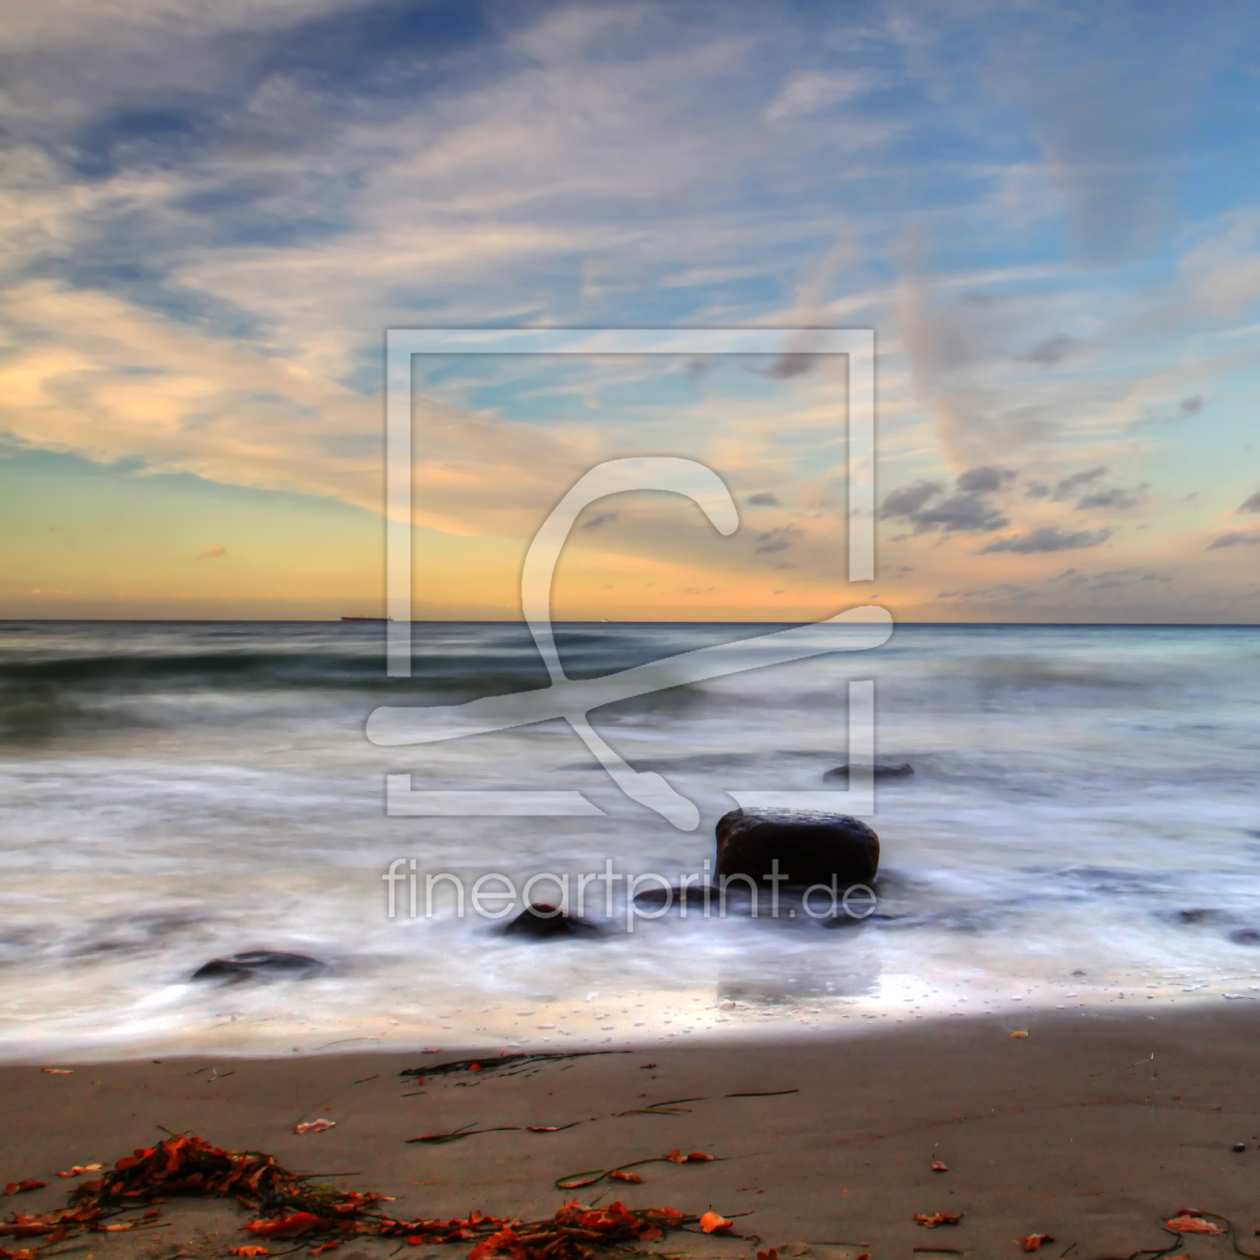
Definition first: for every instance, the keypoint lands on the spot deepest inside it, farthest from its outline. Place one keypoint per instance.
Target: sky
(1049, 214)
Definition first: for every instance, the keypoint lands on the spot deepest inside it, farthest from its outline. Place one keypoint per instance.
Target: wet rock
(259, 962)
(882, 770)
(810, 846)
(1200, 915)
(845, 920)
(543, 921)
(692, 895)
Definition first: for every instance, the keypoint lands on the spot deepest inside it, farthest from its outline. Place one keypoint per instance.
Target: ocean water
(1082, 827)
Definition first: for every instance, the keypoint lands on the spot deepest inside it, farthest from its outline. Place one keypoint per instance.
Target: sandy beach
(1075, 1131)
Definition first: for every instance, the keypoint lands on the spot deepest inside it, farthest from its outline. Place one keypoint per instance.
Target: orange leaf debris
(938, 1218)
(712, 1223)
(287, 1226)
(321, 1216)
(1033, 1241)
(314, 1126)
(1192, 1225)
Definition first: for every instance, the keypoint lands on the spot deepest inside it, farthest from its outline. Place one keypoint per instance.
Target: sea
(1081, 829)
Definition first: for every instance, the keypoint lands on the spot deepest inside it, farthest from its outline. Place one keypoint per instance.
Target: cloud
(1111, 125)
(1052, 350)
(984, 479)
(786, 366)
(764, 498)
(1191, 406)
(1118, 579)
(103, 378)
(1116, 497)
(1235, 539)
(962, 512)
(965, 511)
(212, 553)
(809, 91)
(1070, 485)
(774, 540)
(601, 518)
(907, 500)
(1047, 538)
(1251, 504)
(1111, 497)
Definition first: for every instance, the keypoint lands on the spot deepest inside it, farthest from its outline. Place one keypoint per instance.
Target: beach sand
(1073, 1131)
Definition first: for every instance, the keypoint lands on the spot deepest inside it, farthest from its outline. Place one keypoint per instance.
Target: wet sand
(1073, 1131)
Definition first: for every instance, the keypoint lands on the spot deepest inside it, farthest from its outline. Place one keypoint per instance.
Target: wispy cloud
(808, 91)
(1235, 539)
(1047, 538)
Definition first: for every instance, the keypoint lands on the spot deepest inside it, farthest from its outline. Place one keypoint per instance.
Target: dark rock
(542, 921)
(1202, 916)
(691, 895)
(883, 770)
(845, 920)
(258, 962)
(811, 847)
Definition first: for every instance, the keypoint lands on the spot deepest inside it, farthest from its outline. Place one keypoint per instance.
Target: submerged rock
(258, 962)
(542, 921)
(692, 895)
(845, 920)
(883, 770)
(810, 846)
(1201, 915)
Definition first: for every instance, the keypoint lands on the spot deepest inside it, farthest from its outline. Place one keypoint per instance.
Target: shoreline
(1074, 1130)
(647, 1019)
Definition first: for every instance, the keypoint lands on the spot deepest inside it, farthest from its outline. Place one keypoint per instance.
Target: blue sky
(1048, 212)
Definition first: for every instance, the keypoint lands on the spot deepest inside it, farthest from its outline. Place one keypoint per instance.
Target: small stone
(543, 921)
(1240, 1146)
(880, 770)
(258, 962)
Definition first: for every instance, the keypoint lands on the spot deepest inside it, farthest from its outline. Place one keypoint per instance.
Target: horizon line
(518, 621)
